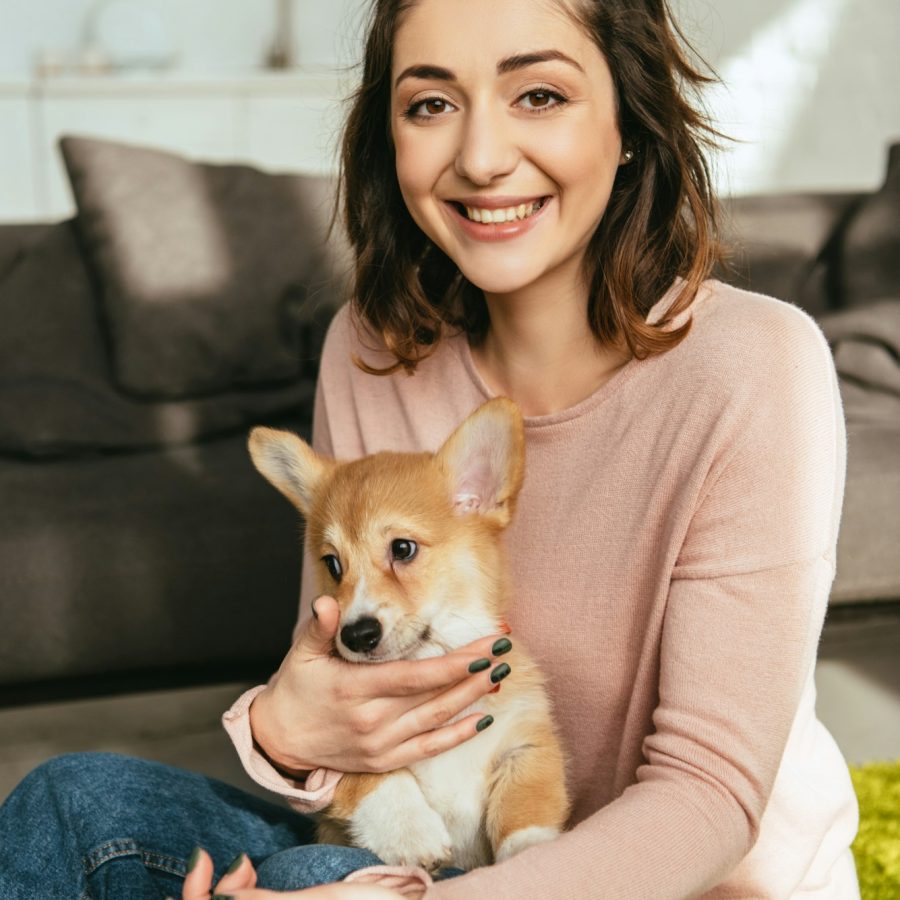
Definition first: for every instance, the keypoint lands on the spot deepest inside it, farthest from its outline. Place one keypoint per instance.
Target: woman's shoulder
(349, 337)
(754, 323)
(753, 336)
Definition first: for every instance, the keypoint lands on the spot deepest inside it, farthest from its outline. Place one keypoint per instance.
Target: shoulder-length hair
(659, 225)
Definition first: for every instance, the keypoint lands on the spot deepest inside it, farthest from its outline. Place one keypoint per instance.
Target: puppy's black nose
(363, 635)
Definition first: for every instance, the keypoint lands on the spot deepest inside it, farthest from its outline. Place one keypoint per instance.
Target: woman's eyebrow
(510, 64)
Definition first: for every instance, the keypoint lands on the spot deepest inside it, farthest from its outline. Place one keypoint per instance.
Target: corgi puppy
(410, 546)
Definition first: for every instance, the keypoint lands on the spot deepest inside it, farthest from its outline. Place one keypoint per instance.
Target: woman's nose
(487, 149)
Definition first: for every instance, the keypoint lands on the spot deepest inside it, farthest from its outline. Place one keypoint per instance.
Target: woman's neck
(541, 352)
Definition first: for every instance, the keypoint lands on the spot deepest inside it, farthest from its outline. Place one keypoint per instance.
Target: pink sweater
(681, 524)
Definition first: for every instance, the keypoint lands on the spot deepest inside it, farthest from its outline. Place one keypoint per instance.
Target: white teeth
(490, 216)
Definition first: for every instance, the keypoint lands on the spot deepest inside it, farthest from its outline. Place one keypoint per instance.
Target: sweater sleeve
(745, 607)
(316, 791)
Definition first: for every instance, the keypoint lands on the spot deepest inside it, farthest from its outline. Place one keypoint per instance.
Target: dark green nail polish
(221, 897)
(235, 864)
(192, 860)
(481, 724)
(504, 645)
(479, 665)
(500, 672)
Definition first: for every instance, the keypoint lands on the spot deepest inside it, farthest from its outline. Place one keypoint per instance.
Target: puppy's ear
(289, 463)
(484, 460)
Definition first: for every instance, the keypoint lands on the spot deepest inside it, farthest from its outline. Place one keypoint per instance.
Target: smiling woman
(525, 190)
(572, 111)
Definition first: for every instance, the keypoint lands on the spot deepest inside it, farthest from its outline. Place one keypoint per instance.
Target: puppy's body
(411, 549)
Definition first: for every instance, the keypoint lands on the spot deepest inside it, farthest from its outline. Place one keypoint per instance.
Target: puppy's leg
(527, 802)
(389, 815)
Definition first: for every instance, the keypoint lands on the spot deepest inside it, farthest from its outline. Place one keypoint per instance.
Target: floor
(858, 680)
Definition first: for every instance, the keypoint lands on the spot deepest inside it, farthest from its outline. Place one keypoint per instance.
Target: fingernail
(480, 725)
(222, 897)
(504, 645)
(479, 665)
(192, 859)
(235, 864)
(500, 672)
(312, 606)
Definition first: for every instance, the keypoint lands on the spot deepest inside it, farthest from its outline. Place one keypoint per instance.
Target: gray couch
(186, 303)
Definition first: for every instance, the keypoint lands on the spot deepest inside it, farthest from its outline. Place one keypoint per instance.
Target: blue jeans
(99, 826)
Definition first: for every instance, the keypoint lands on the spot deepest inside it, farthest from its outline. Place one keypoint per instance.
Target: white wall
(811, 89)
(813, 86)
(208, 34)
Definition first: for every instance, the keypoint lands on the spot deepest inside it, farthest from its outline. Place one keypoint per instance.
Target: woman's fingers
(411, 678)
(240, 876)
(438, 711)
(199, 879)
(423, 746)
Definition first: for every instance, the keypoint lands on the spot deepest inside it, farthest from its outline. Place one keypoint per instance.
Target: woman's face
(507, 108)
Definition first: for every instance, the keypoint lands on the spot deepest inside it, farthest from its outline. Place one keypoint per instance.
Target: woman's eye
(428, 108)
(333, 564)
(541, 100)
(403, 550)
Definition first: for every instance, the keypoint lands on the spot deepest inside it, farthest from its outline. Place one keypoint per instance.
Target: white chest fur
(434, 811)
(455, 784)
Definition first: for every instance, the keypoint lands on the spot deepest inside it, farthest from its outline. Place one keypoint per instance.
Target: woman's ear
(484, 460)
(290, 464)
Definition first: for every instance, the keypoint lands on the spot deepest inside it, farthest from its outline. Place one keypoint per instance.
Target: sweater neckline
(612, 384)
(563, 415)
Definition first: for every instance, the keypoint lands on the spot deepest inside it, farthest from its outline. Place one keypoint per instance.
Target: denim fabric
(99, 826)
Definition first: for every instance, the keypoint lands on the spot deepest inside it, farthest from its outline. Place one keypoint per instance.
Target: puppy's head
(409, 544)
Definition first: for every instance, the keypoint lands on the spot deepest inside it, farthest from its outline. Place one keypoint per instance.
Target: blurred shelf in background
(279, 121)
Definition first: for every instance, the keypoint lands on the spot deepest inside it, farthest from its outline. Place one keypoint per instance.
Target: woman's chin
(499, 282)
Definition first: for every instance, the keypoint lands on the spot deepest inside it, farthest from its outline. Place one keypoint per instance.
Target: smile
(510, 214)
(496, 222)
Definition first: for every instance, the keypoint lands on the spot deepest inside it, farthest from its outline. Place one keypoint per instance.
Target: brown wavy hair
(660, 223)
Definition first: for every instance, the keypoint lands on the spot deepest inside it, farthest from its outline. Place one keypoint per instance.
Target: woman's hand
(241, 885)
(322, 711)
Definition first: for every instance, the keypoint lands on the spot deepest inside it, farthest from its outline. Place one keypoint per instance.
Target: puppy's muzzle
(362, 636)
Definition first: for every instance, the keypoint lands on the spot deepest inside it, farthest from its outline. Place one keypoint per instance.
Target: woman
(674, 542)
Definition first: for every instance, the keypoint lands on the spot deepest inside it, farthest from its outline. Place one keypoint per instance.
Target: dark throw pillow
(869, 267)
(208, 273)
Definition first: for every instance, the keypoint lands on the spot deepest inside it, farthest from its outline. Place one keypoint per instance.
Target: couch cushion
(204, 269)
(779, 245)
(184, 557)
(15, 241)
(866, 346)
(56, 393)
(869, 267)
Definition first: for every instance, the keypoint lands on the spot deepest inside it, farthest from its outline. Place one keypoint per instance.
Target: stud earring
(627, 156)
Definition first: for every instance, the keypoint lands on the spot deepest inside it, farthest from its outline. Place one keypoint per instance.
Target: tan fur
(332, 825)
(455, 505)
(524, 787)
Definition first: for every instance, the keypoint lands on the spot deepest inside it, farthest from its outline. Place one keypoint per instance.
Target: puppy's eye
(404, 550)
(333, 564)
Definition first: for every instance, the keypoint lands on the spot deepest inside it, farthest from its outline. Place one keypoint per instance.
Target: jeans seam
(116, 849)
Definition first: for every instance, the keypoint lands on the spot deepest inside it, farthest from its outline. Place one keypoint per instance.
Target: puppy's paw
(522, 839)
(396, 823)
(422, 840)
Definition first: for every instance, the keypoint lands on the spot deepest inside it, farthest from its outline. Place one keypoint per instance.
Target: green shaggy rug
(877, 846)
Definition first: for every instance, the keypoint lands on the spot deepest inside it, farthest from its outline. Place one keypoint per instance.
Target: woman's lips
(495, 231)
